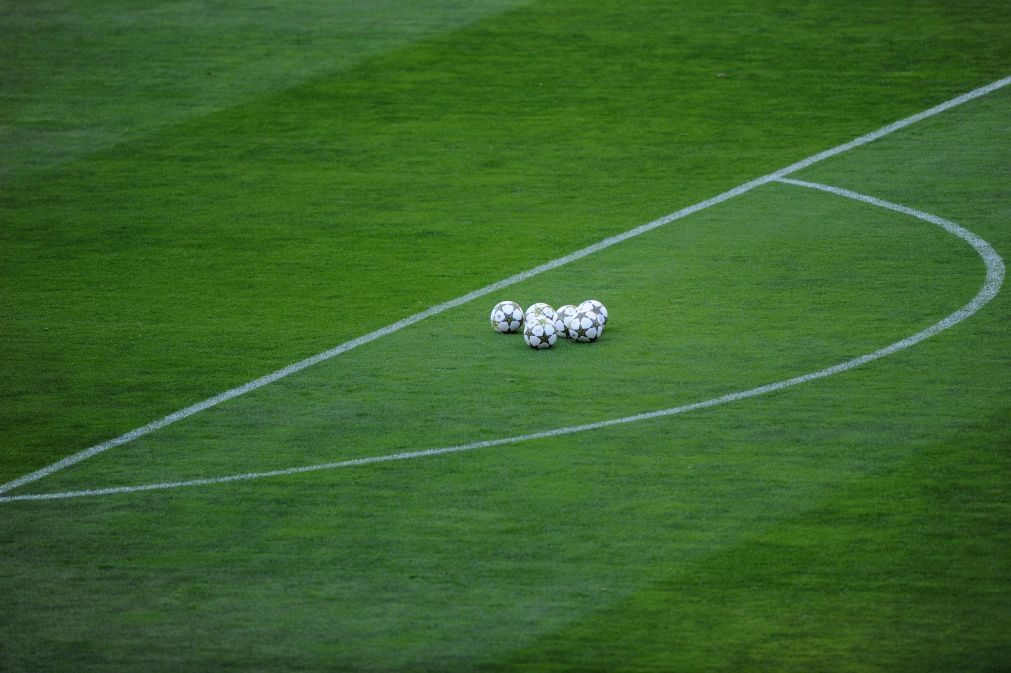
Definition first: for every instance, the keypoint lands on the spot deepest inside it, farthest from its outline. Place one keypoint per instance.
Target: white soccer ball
(563, 314)
(506, 317)
(539, 333)
(585, 326)
(596, 307)
(539, 309)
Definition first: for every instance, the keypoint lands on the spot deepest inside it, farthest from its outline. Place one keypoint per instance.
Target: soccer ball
(596, 307)
(585, 326)
(539, 333)
(563, 314)
(539, 309)
(507, 316)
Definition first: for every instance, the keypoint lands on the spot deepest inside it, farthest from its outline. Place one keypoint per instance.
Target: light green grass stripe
(445, 306)
(995, 272)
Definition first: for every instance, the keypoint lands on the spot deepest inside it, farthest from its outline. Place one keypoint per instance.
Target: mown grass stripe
(995, 271)
(440, 308)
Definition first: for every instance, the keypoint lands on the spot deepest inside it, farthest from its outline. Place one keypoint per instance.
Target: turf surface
(180, 238)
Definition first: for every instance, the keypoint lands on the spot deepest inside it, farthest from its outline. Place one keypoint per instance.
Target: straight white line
(453, 303)
(891, 128)
(995, 272)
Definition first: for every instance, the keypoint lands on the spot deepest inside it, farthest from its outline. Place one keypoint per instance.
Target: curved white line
(440, 308)
(995, 272)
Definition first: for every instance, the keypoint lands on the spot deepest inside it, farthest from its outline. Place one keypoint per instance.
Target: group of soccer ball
(543, 325)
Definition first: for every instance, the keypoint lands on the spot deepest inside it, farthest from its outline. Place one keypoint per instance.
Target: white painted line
(892, 128)
(993, 261)
(994, 279)
(453, 303)
(371, 336)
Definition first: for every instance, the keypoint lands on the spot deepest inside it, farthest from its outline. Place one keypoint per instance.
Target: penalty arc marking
(995, 272)
(512, 280)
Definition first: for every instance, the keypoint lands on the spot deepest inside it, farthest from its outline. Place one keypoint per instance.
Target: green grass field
(195, 195)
